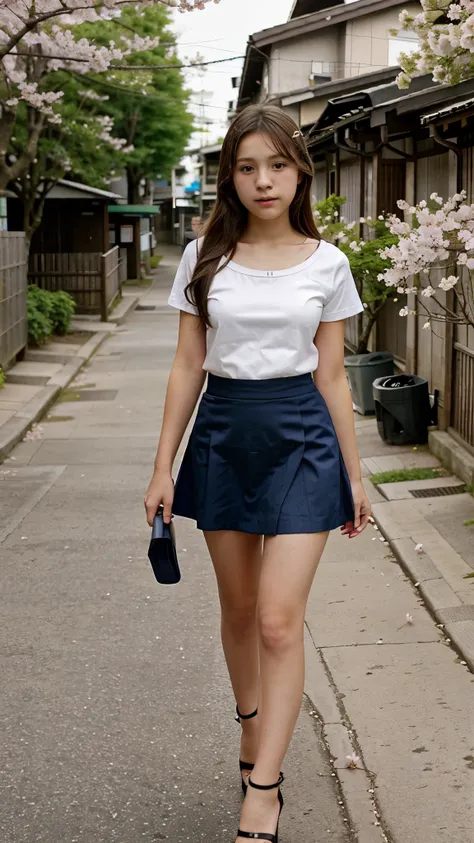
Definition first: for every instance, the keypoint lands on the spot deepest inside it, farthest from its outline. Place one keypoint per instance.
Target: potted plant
(367, 265)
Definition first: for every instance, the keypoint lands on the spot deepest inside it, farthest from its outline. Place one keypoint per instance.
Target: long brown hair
(229, 217)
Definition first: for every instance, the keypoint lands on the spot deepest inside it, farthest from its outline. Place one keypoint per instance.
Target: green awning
(134, 210)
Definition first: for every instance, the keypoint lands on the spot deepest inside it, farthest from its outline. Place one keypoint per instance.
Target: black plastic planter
(402, 409)
(362, 370)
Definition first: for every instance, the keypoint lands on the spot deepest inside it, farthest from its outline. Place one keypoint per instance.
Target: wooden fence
(462, 406)
(352, 333)
(392, 329)
(13, 286)
(110, 277)
(92, 279)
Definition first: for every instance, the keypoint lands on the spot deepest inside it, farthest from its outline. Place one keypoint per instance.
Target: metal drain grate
(145, 307)
(438, 491)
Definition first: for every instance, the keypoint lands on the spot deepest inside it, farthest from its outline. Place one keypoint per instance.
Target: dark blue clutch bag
(162, 551)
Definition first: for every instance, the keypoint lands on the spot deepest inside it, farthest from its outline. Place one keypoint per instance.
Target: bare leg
(237, 562)
(288, 568)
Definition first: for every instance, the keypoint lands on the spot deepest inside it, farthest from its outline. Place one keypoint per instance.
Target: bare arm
(184, 387)
(330, 379)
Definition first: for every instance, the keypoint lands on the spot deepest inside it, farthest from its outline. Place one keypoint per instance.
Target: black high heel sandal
(245, 765)
(273, 838)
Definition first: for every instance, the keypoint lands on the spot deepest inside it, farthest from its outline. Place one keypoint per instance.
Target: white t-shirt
(264, 323)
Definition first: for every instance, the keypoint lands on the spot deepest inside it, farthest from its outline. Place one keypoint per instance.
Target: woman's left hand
(362, 512)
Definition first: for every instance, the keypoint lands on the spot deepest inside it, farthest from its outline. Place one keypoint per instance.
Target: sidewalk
(431, 536)
(34, 384)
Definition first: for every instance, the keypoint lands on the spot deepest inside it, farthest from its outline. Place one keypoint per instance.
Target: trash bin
(362, 370)
(402, 409)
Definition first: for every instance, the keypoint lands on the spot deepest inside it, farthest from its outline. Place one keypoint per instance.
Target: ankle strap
(245, 716)
(267, 786)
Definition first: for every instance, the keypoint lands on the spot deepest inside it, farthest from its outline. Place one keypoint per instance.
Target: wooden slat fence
(463, 393)
(392, 329)
(92, 279)
(351, 332)
(13, 286)
(110, 280)
(122, 266)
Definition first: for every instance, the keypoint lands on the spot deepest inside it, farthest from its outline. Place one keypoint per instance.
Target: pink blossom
(49, 32)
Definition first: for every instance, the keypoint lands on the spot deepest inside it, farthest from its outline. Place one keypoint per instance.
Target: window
(212, 169)
(402, 43)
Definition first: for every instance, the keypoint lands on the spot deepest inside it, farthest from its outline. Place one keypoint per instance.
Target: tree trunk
(362, 345)
(133, 186)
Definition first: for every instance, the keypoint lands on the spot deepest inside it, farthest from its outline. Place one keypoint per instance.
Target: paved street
(116, 713)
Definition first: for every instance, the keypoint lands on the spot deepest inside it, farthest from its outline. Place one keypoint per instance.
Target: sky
(218, 32)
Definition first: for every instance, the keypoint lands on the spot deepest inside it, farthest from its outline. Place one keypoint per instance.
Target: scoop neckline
(272, 273)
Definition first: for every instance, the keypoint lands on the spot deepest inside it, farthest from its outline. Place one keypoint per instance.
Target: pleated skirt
(263, 458)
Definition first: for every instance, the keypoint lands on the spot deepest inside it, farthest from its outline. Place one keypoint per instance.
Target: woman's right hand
(160, 491)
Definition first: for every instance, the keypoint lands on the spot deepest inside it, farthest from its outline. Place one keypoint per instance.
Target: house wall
(444, 355)
(365, 45)
(319, 183)
(350, 188)
(433, 174)
(67, 226)
(343, 50)
(311, 110)
(468, 172)
(291, 61)
(293, 111)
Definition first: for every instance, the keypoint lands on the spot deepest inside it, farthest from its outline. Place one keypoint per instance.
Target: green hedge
(48, 313)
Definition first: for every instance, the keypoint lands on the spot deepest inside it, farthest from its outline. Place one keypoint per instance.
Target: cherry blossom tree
(36, 39)
(445, 33)
(433, 256)
(124, 122)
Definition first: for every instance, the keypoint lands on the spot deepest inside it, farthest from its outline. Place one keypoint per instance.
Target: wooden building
(75, 219)
(71, 250)
(131, 229)
(380, 145)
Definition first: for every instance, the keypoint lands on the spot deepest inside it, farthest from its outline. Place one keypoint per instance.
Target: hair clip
(297, 134)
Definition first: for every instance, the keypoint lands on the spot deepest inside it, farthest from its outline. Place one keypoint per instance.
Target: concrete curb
(357, 787)
(442, 601)
(123, 309)
(452, 455)
(13, 431)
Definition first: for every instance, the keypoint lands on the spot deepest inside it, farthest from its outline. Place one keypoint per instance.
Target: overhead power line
(133, 66)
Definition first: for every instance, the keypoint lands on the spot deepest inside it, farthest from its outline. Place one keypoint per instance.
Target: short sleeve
(183, 276)
(344, 300)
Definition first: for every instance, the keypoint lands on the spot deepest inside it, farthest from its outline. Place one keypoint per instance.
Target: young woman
(272, 464)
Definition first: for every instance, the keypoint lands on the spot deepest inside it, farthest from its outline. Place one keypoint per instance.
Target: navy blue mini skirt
(263, 458)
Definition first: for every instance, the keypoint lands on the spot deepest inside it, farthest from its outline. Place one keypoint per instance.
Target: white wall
(366, 46)
(291, 61)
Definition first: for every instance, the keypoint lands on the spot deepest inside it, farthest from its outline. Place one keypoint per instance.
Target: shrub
(48, 313)
(2, 378)
(365, 258)
(154, 261)
(38, 304)
(62, 311)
